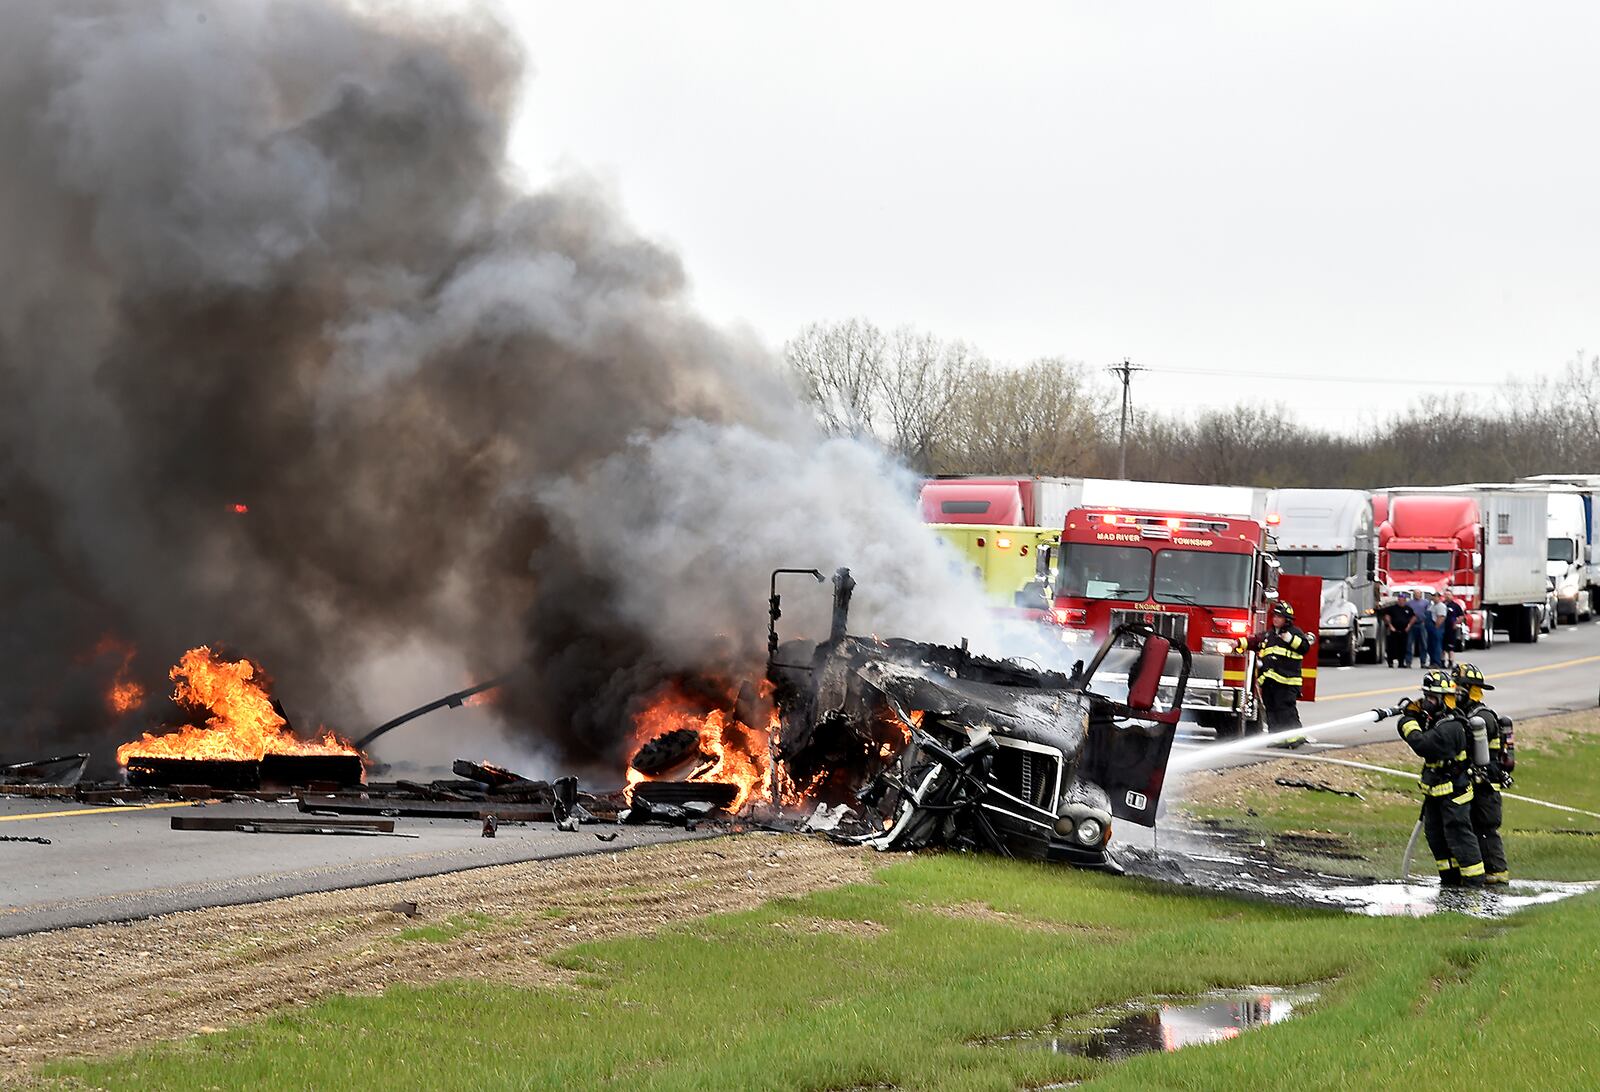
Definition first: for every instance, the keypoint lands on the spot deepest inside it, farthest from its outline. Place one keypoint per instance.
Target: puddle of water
(1244, 867)
(1421, 899)
(1164, 1024)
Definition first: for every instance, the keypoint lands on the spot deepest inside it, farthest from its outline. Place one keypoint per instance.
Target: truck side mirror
(1372, 566)
(1269, 575)
(1145, 680)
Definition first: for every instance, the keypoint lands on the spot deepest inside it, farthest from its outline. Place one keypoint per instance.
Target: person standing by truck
(1436, 731)
(1490, 777)
(1417, 633)
(1280, 652)
(1437, 630)
(1453, 613)
(1397, 619)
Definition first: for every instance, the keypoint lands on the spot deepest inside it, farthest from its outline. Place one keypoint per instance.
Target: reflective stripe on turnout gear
(1280, 655)
(1472, 869)
(1444, 788)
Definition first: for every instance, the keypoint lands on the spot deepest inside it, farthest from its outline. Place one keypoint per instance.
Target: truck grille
(1168, 624)
(1028, 775)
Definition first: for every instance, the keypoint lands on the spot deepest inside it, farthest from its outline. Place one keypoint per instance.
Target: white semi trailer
(1329, 533)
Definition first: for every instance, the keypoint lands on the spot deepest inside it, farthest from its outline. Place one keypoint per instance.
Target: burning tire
(668, 751)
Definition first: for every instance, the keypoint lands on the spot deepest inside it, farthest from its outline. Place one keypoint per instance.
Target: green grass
(454, 926)
(1541, 843)
(774, 999)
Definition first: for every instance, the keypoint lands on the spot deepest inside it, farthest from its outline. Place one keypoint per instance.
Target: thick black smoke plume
(271, 255)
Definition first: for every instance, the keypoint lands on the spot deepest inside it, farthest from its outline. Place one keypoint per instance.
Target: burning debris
(947, 748)
(909, 744)
(246, 740)
(62, 771)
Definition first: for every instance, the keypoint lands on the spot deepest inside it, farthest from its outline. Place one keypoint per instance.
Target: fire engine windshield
(1420, 561)
(1105, 572)
(1201, 579)
(1327, 566)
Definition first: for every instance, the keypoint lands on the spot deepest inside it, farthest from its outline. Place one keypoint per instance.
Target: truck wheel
(1352, 642)
(1525, 626)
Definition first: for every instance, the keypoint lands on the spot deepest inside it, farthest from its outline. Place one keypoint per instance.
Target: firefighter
(1435, 730)
(1279, 654)
(1488, 778)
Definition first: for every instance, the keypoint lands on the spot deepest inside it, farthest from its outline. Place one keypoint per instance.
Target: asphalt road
(123, 863)
(1558, 674)
(118, 864)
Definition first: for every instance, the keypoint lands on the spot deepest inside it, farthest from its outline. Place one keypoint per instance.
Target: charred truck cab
(1201, 581)
(934, 745)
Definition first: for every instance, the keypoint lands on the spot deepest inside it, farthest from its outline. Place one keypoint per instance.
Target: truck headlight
(1089, 832)
(1219, 646)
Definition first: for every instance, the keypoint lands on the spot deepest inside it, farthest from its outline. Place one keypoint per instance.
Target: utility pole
(1125, 371)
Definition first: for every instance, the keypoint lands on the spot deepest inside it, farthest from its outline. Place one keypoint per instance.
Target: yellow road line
(1494, 676)
(96, 811)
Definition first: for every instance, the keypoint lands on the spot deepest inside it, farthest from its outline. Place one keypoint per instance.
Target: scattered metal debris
(236, 822)
(259, 827)
(714, 793)
(408, 908)
(940, 746)
(63, 771)
(491, 826)
(1316, 786)
(24, 838)
(825, 818)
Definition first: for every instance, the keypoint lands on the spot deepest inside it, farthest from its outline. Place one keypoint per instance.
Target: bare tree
(925, 382)
(944, 408)
(840, 369)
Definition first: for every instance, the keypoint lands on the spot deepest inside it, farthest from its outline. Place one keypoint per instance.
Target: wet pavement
(1221, 860)
(1163, 1024)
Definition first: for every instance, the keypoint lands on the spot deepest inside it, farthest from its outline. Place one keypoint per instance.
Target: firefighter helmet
(1470, 675)
(1282, 607)
(1438, 682)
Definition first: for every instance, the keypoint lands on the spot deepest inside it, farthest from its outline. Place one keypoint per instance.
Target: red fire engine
(1204, 580)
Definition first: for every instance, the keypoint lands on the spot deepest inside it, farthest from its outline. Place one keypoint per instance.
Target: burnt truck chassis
(1006, 758)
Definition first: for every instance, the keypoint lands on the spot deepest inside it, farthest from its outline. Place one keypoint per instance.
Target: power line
(1125, 370)
(1380, 380)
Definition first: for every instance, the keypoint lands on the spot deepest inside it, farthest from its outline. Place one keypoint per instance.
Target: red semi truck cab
(1432, 544)
(1204, 580)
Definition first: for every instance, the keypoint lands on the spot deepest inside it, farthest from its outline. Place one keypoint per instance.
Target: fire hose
(1369, 716)
(1405, 865)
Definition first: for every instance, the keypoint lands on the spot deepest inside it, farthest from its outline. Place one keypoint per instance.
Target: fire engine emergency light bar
(1163, 523)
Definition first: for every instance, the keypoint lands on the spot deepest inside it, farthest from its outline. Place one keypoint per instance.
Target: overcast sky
(1391, 192)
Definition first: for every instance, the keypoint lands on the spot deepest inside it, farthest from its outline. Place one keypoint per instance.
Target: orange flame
(125, 695)
(243, 724)
(737, 755)
(126, 692)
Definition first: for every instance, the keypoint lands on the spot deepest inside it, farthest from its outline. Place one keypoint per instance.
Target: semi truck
(1574, 519)
(1330, 534)
(1203, 580)
(1567, 539)
(1484, 544)
(999, 501)
(1043, 502)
